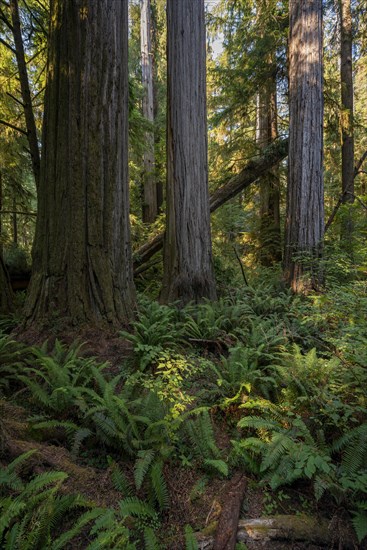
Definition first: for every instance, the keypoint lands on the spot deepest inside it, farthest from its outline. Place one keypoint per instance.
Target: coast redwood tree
(305, 200)
(188, 273)
(82, 267)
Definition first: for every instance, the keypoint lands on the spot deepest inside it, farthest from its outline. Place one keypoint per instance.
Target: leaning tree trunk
(305, 200)
(150, 202)
(346, 77)
(188, 272)
(82, 268)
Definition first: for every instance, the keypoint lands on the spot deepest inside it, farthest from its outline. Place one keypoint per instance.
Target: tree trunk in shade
(6, 293)
(267, 131)
(25, 91)
(305, 197)
(82, 268)
(150, 203)
(188, 272)
(346, 77)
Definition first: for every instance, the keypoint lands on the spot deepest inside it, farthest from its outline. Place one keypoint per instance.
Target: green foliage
(56, 379)
(200, 432)
(190, 540)
(153, 332)
(31, 512)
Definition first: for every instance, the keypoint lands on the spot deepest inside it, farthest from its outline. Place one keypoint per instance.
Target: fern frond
(190, 541)
(120, 481)
(133, 506)
(145, 459)
(218, 465)
(82, 521)
(151, 541)
(159, 485)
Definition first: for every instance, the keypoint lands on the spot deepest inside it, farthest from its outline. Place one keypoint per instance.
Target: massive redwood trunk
(188, 273)
(305, 200)
(82, 268)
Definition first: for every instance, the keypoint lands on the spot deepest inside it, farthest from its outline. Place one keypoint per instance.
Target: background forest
(183, 274)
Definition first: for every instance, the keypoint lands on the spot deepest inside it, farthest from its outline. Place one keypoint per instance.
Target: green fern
(190, 541)
(142, 465)
(159, 485)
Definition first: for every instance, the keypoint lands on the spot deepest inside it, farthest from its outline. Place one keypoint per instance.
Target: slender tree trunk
(346, 77)
(305, 198)
(150, 204)
(270, 239)
(25, 90)
(188, 272)
(82, 268)
(15, 222)
(6, 293)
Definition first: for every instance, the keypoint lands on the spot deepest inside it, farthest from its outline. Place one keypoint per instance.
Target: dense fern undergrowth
(283, 377)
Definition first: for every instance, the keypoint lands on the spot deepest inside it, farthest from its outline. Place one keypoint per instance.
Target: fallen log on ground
(287, 529)
(226, 534)
(271, 156)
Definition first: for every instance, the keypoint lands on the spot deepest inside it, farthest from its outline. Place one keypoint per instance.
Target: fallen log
(226, 534)
(255, 168)
(285, 529)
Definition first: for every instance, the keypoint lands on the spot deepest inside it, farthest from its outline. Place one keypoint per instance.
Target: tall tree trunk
(150, 203)
(188, 272)
(305, 197)
(82, 268)
(270, 240)
(25, 91)
(346, 77)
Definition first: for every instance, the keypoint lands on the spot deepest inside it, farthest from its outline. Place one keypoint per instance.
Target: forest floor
(157, 419)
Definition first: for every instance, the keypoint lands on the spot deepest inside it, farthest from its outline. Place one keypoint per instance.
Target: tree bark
(6, 293)
(346, 78)
(82, 268)
(270, 239)
(254, 169)
(26, 92)
(150, 203)
(305, 197)
(188, 272)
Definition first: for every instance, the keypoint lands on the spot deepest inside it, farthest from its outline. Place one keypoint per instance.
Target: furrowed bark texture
(150, 203)
(25, 91)
(82, 267)
(269, 158)
(305, 200)
(188, 273)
